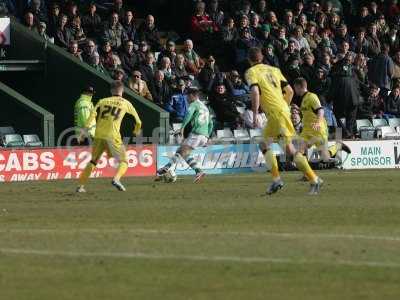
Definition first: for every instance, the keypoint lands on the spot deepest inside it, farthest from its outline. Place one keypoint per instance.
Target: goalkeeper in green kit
(198, 117)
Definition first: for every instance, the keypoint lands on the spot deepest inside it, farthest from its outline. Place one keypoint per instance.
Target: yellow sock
(83, 178)
(271, 161)
(122, 168)
(333, 150)
(303, 165)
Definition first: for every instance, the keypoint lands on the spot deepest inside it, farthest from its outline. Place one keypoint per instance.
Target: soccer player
(270, 90)
(198, 117)
(315, 129)
(110, 112)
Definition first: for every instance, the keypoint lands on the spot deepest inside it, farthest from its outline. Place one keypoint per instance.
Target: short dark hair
(255, 54)
(116, 84)
(301, 82)
(193, 91)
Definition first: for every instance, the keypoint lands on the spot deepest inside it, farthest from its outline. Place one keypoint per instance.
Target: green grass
(221, 239)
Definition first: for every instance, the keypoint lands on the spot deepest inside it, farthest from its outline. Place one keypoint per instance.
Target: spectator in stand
(248, 119)
(382, 27)
(29, 21)
(255, 27)
(295, 115)
(129, 59)
(343, 35)
(106, 54)
(373, 105)
(148, 68)
(38, 10)
(166, 68)
(72, 10)
(53, 22)
(139, 86)
(360, 68)
(116, 65)
(75, 31)
(244, 23)
(288, 22)
(392, 103)
(312, 12)
(292, 69)
(344, 50)
(225, 109)
(269, 56)
(374, 12)
(345, 95)
(392, 39)
(312, 36)
(265, 36)
(334, 22)
(62, 37)
(327, 42)
(322, 20)
(161, 91)
(113, 32)
(43, 34)
(95, 63)
(88, 50)
(262, 10)
(142, 51)
(193, 63)
(380, 69)
(91, 22)
(396, 66)
(364, 18)
(216, 15)
(209, 72)
(300, 40)
(302, 22)
(229, 32)
(239, 88)
(119, 74)
(373, 40)
(290, 52)
(129, 25)
(273, 20)
(242, 46)
(178, 105)
(281, 42)
(118, 7)
(74, 50)
(361, 44)
(169, 51)
(148, 32)
(307, 69)
(179, 68)
(320, 84)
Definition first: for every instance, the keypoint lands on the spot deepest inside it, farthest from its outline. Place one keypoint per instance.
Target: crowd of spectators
(348, 51)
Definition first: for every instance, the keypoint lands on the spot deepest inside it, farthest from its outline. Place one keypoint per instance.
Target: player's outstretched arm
(288, 93)
(138, 123)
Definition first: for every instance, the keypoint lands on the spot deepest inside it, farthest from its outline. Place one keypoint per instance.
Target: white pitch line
(290, 235)
(233, 259)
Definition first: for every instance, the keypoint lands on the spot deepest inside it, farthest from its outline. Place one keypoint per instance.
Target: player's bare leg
(183, 152)
(272, 163)
(303, 165)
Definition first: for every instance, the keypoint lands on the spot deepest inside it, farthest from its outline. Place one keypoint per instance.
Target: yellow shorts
(114, 149)
(316, 138)
(279, 125)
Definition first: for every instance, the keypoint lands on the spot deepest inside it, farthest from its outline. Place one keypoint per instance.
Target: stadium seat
(12, 141)
(256, 135)
(379, 123)
(365, 129)
(32, 140)
(394, 122)
(225, 135)
(241, 135)
(240, 109)
(6, 130)
(387, 132)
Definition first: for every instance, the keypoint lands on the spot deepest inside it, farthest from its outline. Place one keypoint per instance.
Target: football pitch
(220, 239)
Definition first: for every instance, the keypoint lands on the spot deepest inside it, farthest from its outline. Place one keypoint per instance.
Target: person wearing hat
(42, 32)
(269, 56)
(198, 118)
(83, 108)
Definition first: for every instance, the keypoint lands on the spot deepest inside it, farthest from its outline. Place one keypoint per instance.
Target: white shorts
(195, 140)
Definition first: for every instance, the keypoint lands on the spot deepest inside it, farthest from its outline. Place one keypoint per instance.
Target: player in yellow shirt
(270, 90)
(110, 112)
(315, 129)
